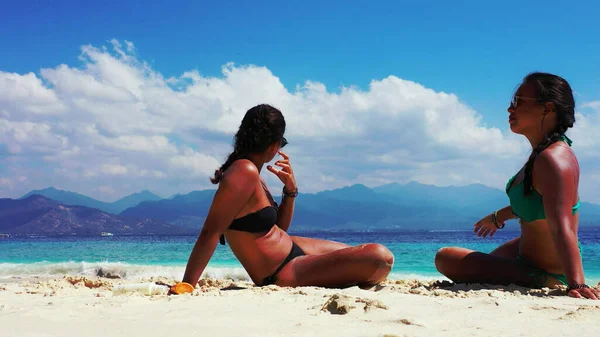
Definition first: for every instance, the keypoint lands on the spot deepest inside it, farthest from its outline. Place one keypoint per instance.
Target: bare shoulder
(557, 158)
(236, 187)
(241, 172)
(556, 163)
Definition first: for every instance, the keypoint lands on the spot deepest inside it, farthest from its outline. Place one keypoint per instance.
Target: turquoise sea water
(145, 256)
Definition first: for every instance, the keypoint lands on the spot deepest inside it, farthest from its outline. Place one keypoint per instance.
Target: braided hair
(555, 89)
(261, 126)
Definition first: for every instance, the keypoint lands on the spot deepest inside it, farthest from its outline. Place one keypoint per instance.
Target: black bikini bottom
(294, 253)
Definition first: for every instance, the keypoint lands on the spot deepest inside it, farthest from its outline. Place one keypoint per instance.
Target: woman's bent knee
(443, 259)
(383, 261)
(380, 255)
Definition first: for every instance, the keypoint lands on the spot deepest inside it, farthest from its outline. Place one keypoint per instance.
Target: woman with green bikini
(543, 196)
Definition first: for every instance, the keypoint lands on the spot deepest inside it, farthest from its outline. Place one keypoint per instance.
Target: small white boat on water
(106, 234)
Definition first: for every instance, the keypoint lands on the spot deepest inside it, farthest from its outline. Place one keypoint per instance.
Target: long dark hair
(261, 126)
(555, 89)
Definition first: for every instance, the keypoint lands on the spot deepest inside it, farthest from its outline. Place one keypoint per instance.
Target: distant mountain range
(37, 214)
(394, 206)
(72, 198)
(411, 206)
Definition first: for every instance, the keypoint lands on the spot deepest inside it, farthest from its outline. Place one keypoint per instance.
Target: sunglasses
(283, 142)
(515, 100)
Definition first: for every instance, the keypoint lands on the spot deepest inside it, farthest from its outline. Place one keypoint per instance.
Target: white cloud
(18, 136)
(586, 145)
(16, 88)
(119, 124)
(9, 184)
(585, 131)
(5, 182)
(197, 164)
(107, 189)
(594, 105)
(114, 169)
(582, 134)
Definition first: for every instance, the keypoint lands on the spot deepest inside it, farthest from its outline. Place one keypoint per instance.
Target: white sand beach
(84, 306)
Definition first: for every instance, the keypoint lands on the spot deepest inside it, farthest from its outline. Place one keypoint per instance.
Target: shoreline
(68, 305)
(131, 271)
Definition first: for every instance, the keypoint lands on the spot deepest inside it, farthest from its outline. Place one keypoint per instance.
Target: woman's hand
(286, 174)
(485, 226)
(590, 293)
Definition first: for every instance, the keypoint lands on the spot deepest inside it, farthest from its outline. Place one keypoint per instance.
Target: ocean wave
(126, 270)
(113, 270)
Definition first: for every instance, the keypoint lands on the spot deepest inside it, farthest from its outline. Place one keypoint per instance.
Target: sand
(86, 306)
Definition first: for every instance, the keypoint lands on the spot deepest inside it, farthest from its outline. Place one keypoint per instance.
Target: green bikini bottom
(540, 275)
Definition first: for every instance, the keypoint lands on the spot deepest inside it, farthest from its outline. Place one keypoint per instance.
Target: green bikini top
(529, 207)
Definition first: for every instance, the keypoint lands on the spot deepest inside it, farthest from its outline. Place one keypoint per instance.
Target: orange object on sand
(183, 287)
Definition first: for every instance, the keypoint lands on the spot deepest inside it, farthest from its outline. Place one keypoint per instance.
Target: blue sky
(476, 51)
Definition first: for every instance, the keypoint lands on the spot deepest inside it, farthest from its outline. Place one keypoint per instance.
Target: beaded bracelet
(576, 286)
(495, 220)
(291, 194)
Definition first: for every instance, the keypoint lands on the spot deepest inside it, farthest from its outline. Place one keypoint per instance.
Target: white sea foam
(112, 269)
(135, 271)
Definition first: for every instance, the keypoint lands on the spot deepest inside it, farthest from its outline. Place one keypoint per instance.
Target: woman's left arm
(290, 191)
(286, 212)
(555, 176)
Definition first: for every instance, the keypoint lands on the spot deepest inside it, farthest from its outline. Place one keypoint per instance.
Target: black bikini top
(257, 222)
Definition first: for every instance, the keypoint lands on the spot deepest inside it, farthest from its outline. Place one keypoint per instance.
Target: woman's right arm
(505, 214)
(234, 191)
(486, 226)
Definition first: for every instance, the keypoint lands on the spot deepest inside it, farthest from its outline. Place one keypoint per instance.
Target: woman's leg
(317, 246)
(509, 249)
(362, 265)
(499, 267)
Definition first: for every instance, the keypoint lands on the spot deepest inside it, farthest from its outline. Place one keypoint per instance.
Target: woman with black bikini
(244, 214)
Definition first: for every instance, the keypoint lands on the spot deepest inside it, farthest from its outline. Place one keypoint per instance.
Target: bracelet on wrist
(576, 286)
(290, 194)
(495, 220)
